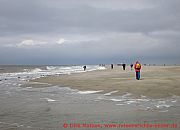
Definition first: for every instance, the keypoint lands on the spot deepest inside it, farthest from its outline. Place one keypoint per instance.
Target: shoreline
(156, 81)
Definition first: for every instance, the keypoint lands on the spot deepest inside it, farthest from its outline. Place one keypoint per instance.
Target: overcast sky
(89, 31)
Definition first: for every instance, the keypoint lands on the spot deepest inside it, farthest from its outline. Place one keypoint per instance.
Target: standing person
(124, 66)
(84, 68)
(131, 66)
(112, 66)
(137, 67)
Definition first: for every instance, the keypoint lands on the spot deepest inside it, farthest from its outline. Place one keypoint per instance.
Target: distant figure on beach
(131, 66)
(112, 66)
(84, 68)
(101, 64)
(124, 66)
(137, 67)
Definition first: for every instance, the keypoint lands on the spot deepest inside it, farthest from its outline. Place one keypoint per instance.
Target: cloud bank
(89, 32)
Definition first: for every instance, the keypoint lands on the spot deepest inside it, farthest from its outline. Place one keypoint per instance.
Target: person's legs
(136, 75)
(139, 75)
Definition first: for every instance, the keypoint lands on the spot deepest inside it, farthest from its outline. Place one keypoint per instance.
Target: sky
(89, 31)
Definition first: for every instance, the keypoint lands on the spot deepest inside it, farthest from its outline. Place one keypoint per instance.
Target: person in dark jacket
(84, 68)
(131, 66)
(124, 66)
(112, 66)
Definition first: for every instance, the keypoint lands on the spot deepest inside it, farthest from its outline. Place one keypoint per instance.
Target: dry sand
(156, 81)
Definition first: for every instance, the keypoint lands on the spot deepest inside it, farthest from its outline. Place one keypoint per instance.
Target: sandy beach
(95, 97)
(156, 81)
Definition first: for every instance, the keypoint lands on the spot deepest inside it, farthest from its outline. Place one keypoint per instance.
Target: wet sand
(156, 81)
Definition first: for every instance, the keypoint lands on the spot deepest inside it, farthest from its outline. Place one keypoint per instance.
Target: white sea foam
(36, 70)
(88, 92)
(143, 103)
(29, 87)
(101, 68)
(144, 100)
(49, 99)
(126, 95)
(49, 70)
(148, 108)
(72, 69)
(116, 100)
(162, 102)
(12, 124)
(164, 111)
(108, 94)
(131, 101)
(96, 100)
(19, 84)
(100, 98)
(163, 106)
(142, 96)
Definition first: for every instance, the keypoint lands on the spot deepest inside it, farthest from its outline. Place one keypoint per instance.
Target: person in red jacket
(137, 67)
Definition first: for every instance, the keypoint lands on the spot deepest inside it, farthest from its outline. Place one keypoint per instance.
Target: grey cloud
(96, 30)
(39, 16)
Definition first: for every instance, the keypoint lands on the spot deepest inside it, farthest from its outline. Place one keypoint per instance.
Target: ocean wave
(48, 70)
